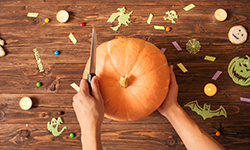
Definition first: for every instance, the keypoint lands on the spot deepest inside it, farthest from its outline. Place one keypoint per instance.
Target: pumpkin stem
(123, 81)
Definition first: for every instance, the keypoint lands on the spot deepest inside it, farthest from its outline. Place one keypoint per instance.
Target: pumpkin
(239, 70)
(134, 78)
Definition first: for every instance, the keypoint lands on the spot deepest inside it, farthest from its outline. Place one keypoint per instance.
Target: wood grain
(19, 73)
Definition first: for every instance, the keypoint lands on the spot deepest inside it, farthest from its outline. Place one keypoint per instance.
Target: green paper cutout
(159, 27)
(72, 38)
(210, 58)
(34, 15)
(150, 17)
(171, 16)
(122, 18)
(239, 70)
(56, 123)
(205, 112)
(188, 7)
(193, 46)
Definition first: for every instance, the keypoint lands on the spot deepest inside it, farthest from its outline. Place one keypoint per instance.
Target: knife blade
(92, 58)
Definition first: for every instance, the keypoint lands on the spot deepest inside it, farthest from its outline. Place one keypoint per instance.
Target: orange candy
(168, 29)
(217, 133)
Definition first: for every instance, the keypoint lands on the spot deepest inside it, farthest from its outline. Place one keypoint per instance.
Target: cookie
(237, 34)
(2, 52)
(1, 42)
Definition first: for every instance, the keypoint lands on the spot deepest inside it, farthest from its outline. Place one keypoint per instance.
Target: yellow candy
(46, 20)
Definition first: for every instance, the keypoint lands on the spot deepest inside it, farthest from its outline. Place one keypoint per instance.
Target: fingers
(84, 88)
(172, 77)
(96, 89)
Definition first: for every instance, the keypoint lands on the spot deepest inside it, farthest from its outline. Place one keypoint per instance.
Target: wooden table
(19, 73)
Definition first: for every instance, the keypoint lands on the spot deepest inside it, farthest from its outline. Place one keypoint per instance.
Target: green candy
(38, 84)
(72, 135)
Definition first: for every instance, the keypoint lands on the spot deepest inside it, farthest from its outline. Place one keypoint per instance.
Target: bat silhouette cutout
(205, 112)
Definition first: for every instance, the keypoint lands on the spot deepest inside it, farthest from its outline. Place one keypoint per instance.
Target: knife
(92, 59)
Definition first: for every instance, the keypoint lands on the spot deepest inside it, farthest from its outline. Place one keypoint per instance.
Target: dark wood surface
(21, 129)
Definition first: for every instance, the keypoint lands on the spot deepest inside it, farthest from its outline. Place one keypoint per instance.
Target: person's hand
(171, 99)
(89, 109)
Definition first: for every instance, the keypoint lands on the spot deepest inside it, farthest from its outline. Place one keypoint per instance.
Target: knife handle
(90, 76)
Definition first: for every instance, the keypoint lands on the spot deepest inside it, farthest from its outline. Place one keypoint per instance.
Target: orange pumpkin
(134, 78)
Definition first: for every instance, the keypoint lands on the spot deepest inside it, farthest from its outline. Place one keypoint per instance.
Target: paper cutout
(159, 27)
(163, 50)
(56, 123)
(239, 70)
(245, 99)
(210, 58)
(171, 16)
(150, 18)
(122, 18)
(72, 38)
(193, 46)
(216, 75)
(38, 60)
(177, 46)
(181, 66)
(205, 112)
(75, 86)
(188, 7)
(34, 15)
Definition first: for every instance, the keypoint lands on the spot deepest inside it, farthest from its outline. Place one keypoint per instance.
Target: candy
(60, 112)
(56, 53)
(168, 29)
(217, 133)
(38, 84)
(46, 20)
(82, 24)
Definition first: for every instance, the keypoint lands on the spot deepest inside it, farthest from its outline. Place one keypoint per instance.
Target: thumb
(96, 88)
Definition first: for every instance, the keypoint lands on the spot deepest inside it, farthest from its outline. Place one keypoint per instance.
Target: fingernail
(171, 67)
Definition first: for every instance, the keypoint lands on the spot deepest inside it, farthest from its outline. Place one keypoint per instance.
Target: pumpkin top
(133, 76)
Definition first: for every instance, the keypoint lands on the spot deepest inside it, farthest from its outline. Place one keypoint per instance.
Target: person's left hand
(89, 109)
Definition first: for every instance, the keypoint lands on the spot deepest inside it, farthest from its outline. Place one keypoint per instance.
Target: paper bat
(205, 112)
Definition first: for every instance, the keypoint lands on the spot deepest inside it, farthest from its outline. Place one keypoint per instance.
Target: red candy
(82, 24)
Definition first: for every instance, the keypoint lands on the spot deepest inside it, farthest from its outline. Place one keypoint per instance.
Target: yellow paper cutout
(181, 66)
(150, 18)
(210, 58)
(193, 46)
(122, 18)
(188, 7)
(238, 70)
(205, 111)
(72, 38)
(34, 15)
(75, 86)
(159, 27)
(171, 16)
(38, 60)
(56, 123)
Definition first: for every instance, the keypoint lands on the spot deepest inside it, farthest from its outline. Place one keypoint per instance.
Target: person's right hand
(89, 109)
(171, 99)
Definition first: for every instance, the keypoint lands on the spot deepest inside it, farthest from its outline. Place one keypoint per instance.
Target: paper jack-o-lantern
(239, 70)
(134, 78)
